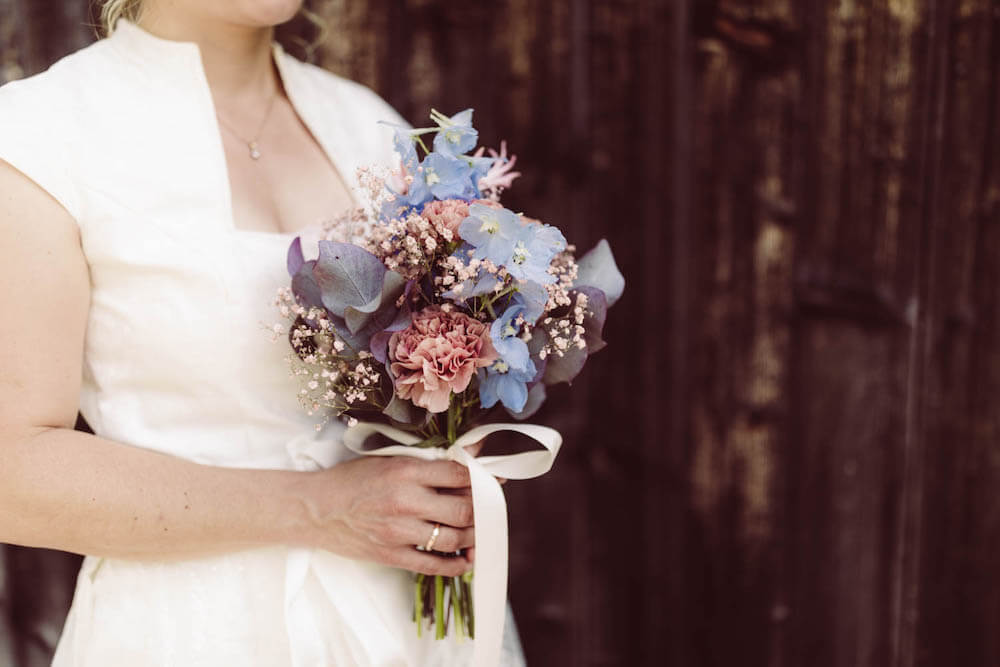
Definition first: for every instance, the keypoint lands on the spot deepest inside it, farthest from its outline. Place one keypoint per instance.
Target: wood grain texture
(789, 454)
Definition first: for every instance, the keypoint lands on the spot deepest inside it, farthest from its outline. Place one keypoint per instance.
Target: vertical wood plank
(959, 598)
(666, 100)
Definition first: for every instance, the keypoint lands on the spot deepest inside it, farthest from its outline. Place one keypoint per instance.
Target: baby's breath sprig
(566, 331)
(336, 380)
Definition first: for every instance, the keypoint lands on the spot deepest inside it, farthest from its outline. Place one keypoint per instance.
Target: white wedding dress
(178, 358)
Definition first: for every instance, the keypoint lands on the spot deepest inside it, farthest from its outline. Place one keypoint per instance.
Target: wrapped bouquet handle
(490, 584)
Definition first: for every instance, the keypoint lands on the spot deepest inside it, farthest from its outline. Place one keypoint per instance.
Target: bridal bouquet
(434, 307)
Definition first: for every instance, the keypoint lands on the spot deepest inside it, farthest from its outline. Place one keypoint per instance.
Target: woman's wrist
(303, 505)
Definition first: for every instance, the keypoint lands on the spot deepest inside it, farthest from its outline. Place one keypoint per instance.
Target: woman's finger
(449, 540)
(442, 474)
(466, 490)
(446, 474)
(410, 559)
(449, 510)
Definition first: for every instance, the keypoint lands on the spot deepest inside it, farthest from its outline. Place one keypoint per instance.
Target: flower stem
(422, 144)
(453, 422)
(510, 289)
(439, 606)
(470, 618)
(456, 605)
(418, 604)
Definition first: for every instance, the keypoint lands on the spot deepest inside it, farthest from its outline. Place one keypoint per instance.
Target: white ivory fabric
(178, 357)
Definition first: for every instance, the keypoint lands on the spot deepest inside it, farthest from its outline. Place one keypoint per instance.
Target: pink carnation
(438, 354)
(449, 213)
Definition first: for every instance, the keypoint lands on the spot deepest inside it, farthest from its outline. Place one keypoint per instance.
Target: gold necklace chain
(252, 144)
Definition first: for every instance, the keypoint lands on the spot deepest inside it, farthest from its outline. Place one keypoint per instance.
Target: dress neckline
(180, 60)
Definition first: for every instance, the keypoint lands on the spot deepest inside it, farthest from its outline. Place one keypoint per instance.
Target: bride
(151, 184)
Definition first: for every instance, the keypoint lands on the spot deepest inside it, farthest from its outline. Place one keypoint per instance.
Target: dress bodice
(177, 353)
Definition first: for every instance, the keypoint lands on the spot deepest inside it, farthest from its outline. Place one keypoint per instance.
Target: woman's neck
(237, 59)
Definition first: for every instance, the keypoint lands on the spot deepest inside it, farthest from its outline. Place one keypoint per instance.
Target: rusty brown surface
(790, 452)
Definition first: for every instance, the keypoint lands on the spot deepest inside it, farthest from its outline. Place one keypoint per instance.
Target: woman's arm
(68, 490)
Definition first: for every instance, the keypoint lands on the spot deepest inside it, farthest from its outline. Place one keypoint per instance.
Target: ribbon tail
(489, 587)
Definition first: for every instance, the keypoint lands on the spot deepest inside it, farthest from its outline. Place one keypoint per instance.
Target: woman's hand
(381, 508)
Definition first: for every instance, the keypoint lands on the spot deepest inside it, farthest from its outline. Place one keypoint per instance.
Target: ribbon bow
(489, 588)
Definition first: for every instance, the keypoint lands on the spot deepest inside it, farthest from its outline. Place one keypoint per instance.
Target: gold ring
(433, 538)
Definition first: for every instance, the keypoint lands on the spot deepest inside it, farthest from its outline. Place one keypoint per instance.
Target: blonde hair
(112, 10)
(306, 22)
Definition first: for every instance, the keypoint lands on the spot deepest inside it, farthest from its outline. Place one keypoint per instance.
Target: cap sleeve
(36, 142)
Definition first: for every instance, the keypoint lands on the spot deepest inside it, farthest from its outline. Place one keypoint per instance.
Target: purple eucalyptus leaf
(356, 342)
(362, 338)
(565, 368)
(304, 286)
(536, 396)
(381, 319)
(538, 340)
(540, 366)
(348, 276)
(358, 316)
(593, 319)
(598, 269)
(380, 341)
(295, 259)
(400, 410)
(379, 347)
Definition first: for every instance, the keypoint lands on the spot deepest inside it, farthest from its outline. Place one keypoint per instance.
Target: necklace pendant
(254, 151)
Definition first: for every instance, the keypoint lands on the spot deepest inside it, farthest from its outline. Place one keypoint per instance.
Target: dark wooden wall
(789, 455)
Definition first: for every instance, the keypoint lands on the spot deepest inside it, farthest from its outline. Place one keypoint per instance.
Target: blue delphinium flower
(484, 283)
(533, 251)
(402, 141)
(533, 297)
(492, 232)
(416, 195)
(446, 177)
(480, 169)
(393, 207)
(417, 191)
(504, 333)
(456, 135)
(508, 385)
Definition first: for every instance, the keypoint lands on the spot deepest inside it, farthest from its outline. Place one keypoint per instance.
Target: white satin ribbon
(490, 583)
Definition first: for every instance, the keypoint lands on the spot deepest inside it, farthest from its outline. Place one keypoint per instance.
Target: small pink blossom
(437, 355)
(501, 174)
